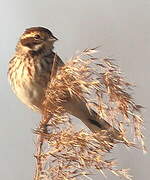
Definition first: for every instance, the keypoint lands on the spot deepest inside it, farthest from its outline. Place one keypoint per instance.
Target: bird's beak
(53, 38)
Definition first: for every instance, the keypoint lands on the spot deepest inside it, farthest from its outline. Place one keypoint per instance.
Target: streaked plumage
(30, 70)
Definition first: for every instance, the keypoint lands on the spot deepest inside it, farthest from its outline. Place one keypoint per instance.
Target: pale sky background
(121, 27)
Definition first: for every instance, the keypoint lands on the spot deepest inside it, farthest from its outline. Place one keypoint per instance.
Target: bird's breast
(28, 81)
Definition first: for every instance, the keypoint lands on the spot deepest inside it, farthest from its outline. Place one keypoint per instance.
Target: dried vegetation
(65, 153)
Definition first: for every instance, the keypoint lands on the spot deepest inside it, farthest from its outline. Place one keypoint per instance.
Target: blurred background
(121, 28)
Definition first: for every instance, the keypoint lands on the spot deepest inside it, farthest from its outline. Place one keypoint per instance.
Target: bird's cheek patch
(29, 42)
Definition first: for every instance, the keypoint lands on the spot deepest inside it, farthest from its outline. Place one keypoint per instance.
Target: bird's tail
(91, 119)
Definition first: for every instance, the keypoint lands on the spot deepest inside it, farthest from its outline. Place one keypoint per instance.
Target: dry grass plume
(65, 153)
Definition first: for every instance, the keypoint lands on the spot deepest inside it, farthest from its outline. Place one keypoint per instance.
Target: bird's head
(36, 39)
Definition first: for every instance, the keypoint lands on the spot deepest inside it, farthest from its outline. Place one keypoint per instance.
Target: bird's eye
(37, 37)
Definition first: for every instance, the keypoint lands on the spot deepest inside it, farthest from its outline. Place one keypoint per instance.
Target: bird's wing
(90, 118)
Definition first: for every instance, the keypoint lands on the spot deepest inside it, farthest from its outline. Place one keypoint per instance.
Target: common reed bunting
(29, 73)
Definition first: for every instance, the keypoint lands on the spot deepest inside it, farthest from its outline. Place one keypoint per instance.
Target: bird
(29, 72)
